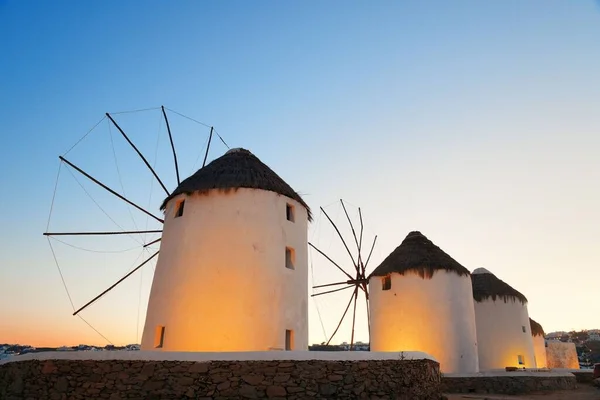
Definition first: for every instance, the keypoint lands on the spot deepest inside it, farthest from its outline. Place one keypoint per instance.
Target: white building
(562, 355)
(421, 299)
(232, 273)
(539, 344)
(503, 328)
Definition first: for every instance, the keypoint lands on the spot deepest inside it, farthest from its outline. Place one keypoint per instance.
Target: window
(289, 212)
(289, 340)
(524, 330)
(521, 359)
(386, 283)
(179, 206)
(290, 258)
(159, 337)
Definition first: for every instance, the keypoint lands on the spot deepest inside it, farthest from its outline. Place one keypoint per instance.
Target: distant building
(562, 355)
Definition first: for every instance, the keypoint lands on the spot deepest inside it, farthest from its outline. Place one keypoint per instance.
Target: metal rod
(152, 242)
(172, 145)
(353, 321)
(109, 189)
(119, 281)
(333, 262)
(97, 233)
(139, 153)
(207, 147)
(341, 237)
(371, 252)
(331, 291)
(340, 323)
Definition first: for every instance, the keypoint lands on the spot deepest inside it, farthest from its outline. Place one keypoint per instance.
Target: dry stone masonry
(507, 384)
(125, 379)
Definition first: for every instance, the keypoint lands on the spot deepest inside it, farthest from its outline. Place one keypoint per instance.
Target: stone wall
(119, 379)
(508, 384)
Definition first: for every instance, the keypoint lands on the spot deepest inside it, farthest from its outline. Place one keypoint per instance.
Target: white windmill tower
(421, 300)
(539, 344)
(503, 327)
(232, 274)
(232, 269)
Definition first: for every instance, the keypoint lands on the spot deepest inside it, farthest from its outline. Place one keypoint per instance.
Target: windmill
(120, 195)
(356, 278)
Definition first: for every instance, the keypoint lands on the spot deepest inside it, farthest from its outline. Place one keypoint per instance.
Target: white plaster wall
(562, 355)
(221, 283)
(500, 334)
(539, 349)
(435, 316)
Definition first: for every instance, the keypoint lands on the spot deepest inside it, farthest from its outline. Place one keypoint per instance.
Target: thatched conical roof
(536, 328)
(418, 254)
(238, 168)
(486, 285)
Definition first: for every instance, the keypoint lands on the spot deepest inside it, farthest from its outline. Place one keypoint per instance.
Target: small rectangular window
(289, 212)
(289, 340)
(159, 337)
(524, 329)
(290, 258)
(179, 211)
(386, 283)
(521, 359)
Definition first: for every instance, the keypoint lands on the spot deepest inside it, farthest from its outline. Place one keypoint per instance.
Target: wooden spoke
(207, 147)
(115, 284)
(342, 319)
(333, 262)
(172, 145)
(152, 242)
(108, 189)
(341, 237)
(331, 291)
(353, 321)
(370, 252)
(97, 233)
(353, 234)
(139, 153)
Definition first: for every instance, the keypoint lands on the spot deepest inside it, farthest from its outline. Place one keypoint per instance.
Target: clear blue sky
(474, 122)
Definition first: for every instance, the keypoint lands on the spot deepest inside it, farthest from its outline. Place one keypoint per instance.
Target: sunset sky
(476, 123)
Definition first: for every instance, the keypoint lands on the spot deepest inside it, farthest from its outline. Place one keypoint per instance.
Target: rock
(327, 389)
(199, 368)
(49, 368)
(253, 379)
(335, 378)
(185, 381)
(248, 392)
(224, 385)
(281, 378)
(276, 391)
(62, 384)
(596, 382)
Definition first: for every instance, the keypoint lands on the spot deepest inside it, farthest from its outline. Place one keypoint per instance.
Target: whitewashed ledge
(502, 373)
(224, 356)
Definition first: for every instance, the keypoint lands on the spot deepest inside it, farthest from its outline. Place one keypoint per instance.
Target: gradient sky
(476, 123)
